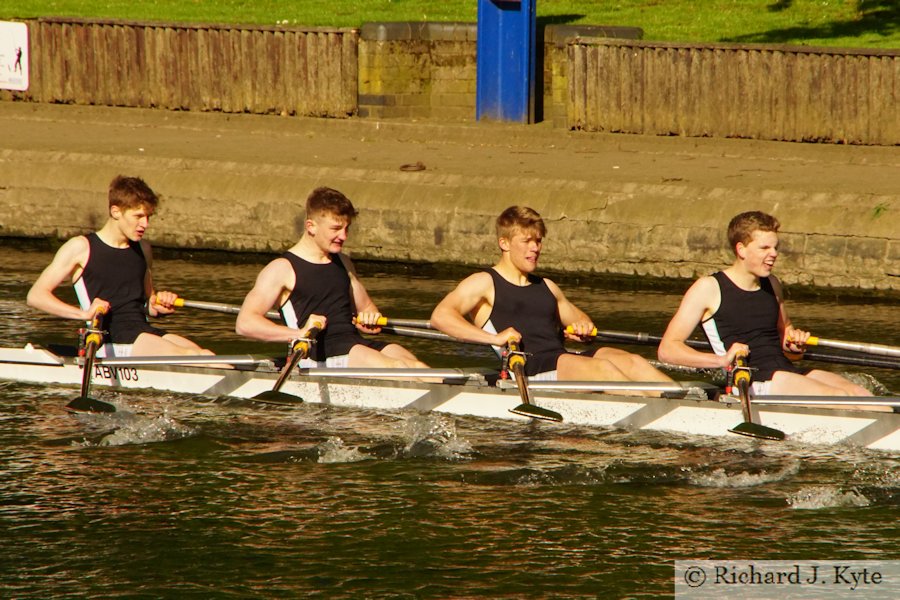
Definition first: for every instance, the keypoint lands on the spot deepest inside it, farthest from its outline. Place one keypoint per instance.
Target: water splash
(132, 428)
(566, 475)
(720, 478)
(826, 496)
(433, 435)
(333, 450)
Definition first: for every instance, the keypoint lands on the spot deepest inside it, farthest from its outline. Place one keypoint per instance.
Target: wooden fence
(309, 72)
(749, 91)
(763, 92)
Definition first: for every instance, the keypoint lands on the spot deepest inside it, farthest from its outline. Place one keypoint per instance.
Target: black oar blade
(276, 397)
(536, 412)
(758, 431)
(87, 404)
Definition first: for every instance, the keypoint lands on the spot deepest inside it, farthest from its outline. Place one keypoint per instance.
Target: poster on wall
(13, 56)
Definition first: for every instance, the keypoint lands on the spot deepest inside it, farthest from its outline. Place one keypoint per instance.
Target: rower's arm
(158, 303)
(473, 296)
(364, 308)
(792, 339)
(570, 315)
(699, 302)
(67, 263)
(272, 285)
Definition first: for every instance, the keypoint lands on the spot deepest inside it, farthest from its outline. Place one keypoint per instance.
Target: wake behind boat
(693, 408)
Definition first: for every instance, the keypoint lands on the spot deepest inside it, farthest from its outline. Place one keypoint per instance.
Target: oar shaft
(90, 352)
(427, 334)
(230, 309)
(300, 351)
(863, 347)
(92, 342)
(648, 339)
(388, 322)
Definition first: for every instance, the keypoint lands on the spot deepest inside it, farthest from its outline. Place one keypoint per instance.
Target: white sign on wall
(13, 56)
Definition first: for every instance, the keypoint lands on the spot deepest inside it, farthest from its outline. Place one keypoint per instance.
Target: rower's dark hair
(129, 193)
(741, 227)
(520, 218)
(326, 200)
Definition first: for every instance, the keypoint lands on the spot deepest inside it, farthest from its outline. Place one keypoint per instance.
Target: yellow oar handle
(571, 329)
(95, 336)
(179, 302)
(516, 358)
(741, 369)
(303, 345)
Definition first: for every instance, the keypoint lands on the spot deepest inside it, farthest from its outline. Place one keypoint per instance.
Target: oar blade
(536, 412)
(88, 404)
(755, 430)
(276, 397)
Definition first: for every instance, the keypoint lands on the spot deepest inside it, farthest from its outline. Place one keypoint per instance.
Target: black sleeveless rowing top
(750, 318)
(117, 276)
(324, 289)
(532, 310)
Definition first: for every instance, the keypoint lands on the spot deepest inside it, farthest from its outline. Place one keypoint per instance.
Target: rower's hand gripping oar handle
(93, 334)
(593, 333)
(741, 372)
(513, 359)
(303, 346)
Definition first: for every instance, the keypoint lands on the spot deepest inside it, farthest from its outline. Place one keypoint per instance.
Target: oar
(628, 337)
(388, 322)
(231, 309)
(428, 334)
(84, 403)
(527, 408)
(748, 427)
(862, 347)
(299, 351)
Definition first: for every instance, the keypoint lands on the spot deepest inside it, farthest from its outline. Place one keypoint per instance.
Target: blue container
(506, 51)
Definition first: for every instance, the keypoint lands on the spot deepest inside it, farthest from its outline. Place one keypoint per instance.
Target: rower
(111, 272)
(741, 309)
(315, 283)
(510, 302)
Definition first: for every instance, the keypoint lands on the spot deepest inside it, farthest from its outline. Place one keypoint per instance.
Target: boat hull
(467, 394)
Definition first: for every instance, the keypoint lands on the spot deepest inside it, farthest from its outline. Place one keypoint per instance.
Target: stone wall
(238, 184)
(428, 70)
(417, 70)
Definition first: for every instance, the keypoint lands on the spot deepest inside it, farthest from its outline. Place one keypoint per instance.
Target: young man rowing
(509, 302)
(315, 283)
(742, 309)
(111, 272)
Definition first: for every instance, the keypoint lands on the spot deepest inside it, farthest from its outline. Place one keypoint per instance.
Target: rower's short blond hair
(742, 226)
(329, 201)
(520, 219)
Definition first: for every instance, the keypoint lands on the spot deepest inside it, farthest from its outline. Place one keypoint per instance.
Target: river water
(186, 497)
